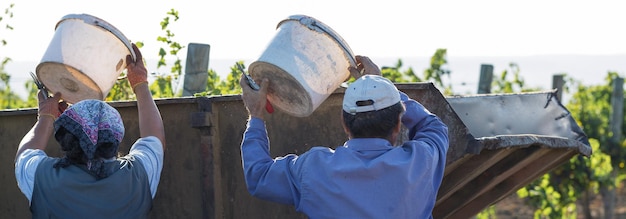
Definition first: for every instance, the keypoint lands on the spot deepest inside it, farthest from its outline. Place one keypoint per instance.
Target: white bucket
(84, 58)
(305, 62)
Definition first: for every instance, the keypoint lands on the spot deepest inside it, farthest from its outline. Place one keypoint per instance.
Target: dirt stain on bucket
(69, 84)
(119, 65)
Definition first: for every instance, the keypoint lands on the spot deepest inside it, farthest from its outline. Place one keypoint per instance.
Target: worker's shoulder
(320, 149)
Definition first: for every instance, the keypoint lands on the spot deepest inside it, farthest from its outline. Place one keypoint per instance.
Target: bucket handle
(314, 25)
(93, 20)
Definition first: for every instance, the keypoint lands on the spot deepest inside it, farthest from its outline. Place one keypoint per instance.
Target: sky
(383, 30)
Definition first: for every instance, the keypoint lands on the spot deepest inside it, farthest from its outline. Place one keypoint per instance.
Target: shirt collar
(368, 144)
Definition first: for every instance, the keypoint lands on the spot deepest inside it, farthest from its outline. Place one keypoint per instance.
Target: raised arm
(37, 138)
(424, 125)
(150, 121)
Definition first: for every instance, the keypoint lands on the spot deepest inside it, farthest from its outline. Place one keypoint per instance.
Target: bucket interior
(284, 91)
(73, 84)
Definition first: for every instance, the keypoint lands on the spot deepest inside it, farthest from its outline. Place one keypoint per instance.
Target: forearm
(255, 149)
(266, 178)
(422, 124)
(38, 136)
(150, 121)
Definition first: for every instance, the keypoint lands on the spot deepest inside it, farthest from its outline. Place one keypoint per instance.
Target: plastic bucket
(84, 58)
(305, 62)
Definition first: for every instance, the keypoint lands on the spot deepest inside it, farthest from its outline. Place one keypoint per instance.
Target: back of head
(371, 107)
(89, 131)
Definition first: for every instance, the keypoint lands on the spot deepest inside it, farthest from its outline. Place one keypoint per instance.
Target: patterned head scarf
(93, 122)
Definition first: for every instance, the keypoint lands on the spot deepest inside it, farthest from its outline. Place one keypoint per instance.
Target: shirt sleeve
(267, 178)
(423, 125)
(25, 168)
(149, 151)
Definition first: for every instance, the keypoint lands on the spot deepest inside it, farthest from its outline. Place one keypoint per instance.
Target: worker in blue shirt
(368, 176)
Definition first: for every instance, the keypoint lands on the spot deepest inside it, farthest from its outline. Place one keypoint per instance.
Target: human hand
(364, 66)
(51, 106)
(255, 101)
(137, 72)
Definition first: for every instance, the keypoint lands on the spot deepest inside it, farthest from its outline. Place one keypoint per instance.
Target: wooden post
(617, 104)
(557, 83)
(196, 69)
(486, 76)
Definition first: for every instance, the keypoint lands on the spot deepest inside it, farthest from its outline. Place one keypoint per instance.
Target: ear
(398, 127)
(396, 131)
(345, 128)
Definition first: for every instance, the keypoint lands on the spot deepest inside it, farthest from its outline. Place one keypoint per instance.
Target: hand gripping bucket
(84, 58)
(305, 62)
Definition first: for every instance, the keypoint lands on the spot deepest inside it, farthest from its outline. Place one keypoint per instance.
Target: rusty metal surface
(462, 142)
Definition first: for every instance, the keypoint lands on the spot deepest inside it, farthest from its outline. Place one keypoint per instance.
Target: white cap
(373, 91)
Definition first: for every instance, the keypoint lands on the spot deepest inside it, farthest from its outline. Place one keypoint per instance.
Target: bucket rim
(96, 21)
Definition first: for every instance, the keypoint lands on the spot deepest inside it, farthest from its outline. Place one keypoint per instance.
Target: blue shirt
(364, 178)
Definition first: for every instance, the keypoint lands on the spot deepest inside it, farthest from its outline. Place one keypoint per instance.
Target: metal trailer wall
(202, 176)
